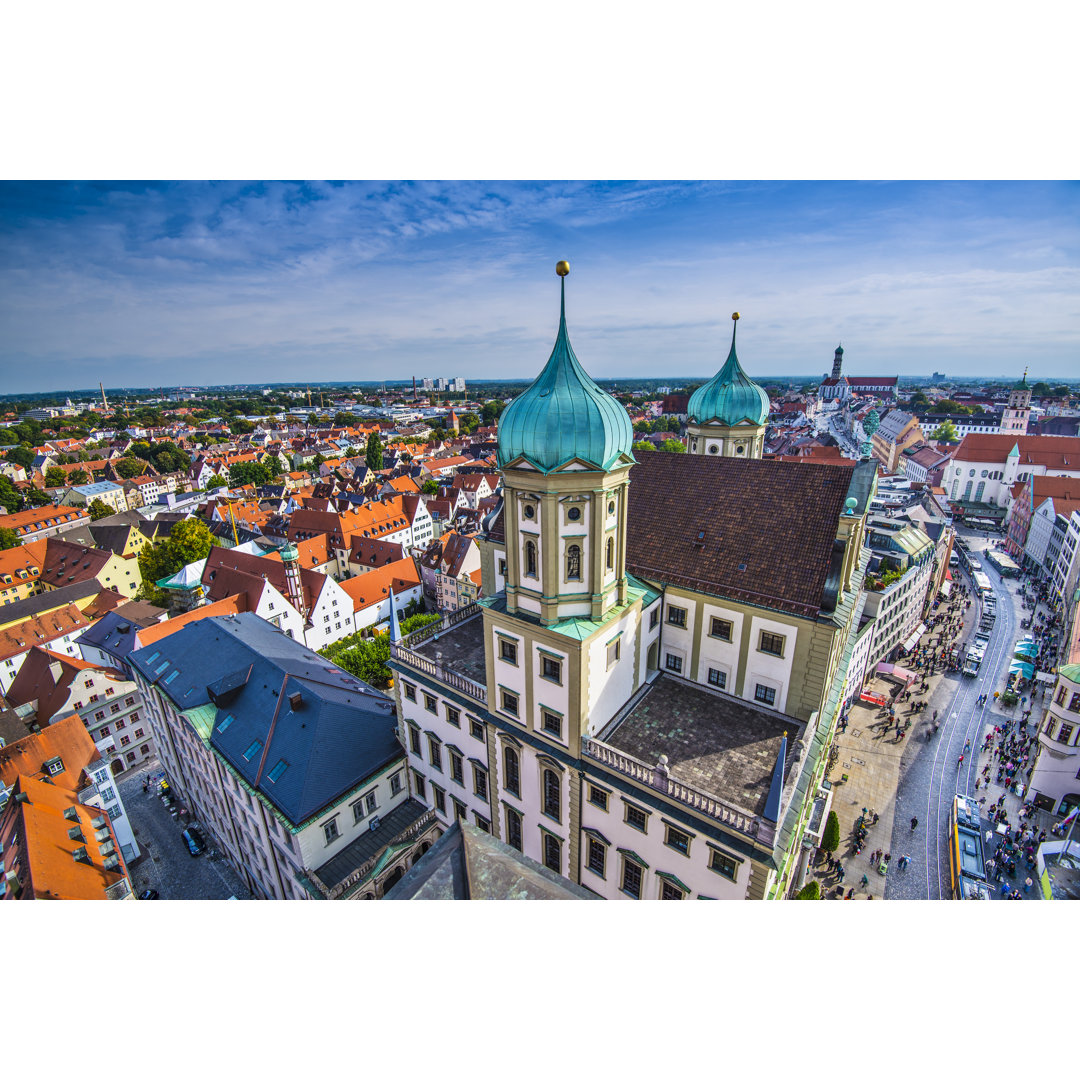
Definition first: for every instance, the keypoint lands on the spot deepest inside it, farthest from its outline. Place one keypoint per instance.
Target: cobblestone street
(165, 863)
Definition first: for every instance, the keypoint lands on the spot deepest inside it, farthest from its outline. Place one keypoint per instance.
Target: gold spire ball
(734, 316)
(562, 268)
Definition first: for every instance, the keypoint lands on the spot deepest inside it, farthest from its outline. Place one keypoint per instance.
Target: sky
(187, 283)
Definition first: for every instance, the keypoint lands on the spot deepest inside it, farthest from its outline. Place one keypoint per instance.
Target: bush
(830, 839)
(810, 891)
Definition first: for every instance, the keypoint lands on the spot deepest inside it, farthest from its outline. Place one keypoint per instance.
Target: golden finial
(562, 268)
(734, 316)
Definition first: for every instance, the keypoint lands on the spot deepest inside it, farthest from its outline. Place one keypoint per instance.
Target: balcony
(451, 651)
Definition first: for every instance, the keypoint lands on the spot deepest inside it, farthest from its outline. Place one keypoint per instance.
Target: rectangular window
(551, 670)
(717, 678)
(654, 617)
(513, 828)
(773, 644)
(597, 856)
(480, 782)
(676, 616)
(720, 628)
(613, 651)
(330, 830)
(765, 694)
(395, 783)
(1064, 734)
(482, 822)
(598, 797)
(461, 812)
(371, 802)
(440, 798)
(103, 731)
(678, 840)
(457, 773)
(476, 729)
(418, 784)
(1074, 704)
(631, 878)
(673, 663)
(453, 716)
(669, 891)
(430, 703)
(551, 723)
(723, 865)
(115, 707)
(124, 740)
(138, 733)
(120, 724)
(252, 750)
(414, 741)
(508, 651)
(410, 691)
(509, 703)
(358, 811)
(637, 818)
(434, 754)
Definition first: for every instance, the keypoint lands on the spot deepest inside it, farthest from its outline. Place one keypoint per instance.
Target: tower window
(574, 513)
(714, 449)
(529, 511)
(611, 507)
(573, 563)
(611, 553)
(530, 559)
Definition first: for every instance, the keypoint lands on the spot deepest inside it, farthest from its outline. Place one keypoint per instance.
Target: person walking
(914, 823)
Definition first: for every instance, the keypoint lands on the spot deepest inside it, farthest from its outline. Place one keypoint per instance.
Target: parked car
(150, 894)
(196, 845)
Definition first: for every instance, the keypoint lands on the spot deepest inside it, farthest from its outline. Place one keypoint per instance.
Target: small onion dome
(564, 416)
(730, 396)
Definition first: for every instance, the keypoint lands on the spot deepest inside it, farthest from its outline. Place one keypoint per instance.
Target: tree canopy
(673, 446)
(250, 472)
(9, 538)
(99, 510)
(188, 542)
(945, 432)
(127, 468)
(55, 476)
(373, 456)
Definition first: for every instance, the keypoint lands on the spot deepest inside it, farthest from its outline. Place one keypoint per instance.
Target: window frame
(720, 683)
(713, 620)
(782, 638)
(645, 814)
(676, 616)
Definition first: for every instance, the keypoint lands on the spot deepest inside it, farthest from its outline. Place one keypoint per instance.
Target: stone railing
(658, 777)
(477, 691)
(453, 619)
(420, 825)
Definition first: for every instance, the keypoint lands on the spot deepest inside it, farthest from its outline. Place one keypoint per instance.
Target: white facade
(1055, 771)
(897, 610)
(65, 643)
(1067, 568)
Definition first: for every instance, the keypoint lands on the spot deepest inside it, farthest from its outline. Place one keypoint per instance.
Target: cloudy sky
(189, 283)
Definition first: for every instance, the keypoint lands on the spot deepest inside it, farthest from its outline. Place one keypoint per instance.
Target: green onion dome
(564, 416)
(730, 396)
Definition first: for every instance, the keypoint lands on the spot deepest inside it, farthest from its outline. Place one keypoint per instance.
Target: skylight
(278, 771)
(229, 718)
(252, 750)
(172, 675)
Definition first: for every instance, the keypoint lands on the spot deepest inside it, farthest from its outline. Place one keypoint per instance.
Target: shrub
(830, 839)
(810, 891)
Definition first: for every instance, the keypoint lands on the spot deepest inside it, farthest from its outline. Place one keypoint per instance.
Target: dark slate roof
(466, 863)
(54, 598)
(333, 730)
(768, 526)
(370, 843)
(115, 633)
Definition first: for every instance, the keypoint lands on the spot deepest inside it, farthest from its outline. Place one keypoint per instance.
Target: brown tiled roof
(66, 563)
(1051, 451)
(769, 526)
(67, 739)
(25, 635)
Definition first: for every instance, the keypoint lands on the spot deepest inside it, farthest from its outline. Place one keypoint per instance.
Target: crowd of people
(935, 651)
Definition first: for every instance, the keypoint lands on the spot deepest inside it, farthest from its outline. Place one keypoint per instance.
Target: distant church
(841, 388)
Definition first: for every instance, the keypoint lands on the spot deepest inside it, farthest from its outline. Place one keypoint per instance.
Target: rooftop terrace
(451, 650)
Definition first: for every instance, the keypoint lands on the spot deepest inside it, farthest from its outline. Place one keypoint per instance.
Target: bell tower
(564, 449)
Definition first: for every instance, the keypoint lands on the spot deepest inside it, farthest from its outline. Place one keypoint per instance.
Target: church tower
(565, 455)
(838, 359)
(1015, 417)
(727, 415)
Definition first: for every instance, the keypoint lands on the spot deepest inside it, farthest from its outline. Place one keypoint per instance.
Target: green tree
(78, 476)
(642, 447)
(240, 426)
(830, 838)
(317, 460)
(810, 891)
(142, 450)
(37, 497)
(188, 542)
(947, 405)
(491, 411)
(673, 446)
(9, 538)
(216, 482)
(249, 472)
(20, 455)
(352, 452)
(344, 419)
(99, 510)
(945, 432)
(55, 476)
(10, 499)
(373, 455)
(430, 487)
(7, 437)
(127, 468)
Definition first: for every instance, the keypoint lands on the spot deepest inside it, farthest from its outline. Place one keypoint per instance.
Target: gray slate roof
(287, 704)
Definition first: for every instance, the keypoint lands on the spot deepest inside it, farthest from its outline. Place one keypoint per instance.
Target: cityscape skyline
(154, 284)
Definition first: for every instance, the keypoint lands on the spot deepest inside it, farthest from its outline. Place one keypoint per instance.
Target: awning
(1019, 667)
(913, 638)
(946, 588)
(896, 671)
(874, 699)
(1045, 676)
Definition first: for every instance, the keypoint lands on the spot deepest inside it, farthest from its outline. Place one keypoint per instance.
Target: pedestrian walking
(865, 881)
(914, 823)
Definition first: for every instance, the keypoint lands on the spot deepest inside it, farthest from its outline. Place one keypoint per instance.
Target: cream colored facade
(743, 440)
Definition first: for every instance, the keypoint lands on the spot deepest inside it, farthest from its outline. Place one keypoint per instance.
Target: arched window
(512, 771)
(552, 794)
(611, 552)
(573, 563)
(530, 559)
(552, 854)
(979, 491)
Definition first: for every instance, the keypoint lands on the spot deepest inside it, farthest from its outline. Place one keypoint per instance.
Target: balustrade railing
(405, 651)
(420, 825)
(658, 777)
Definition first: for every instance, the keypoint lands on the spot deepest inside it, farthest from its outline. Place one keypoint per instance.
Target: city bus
(967, 867)
(982, 583)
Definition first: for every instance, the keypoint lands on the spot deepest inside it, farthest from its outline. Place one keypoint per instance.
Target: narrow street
(165, 864)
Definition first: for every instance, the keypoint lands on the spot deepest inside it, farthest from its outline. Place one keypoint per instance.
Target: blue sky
(160, 284)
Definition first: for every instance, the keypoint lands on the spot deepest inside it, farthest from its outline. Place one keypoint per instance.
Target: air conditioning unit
(373, 824)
